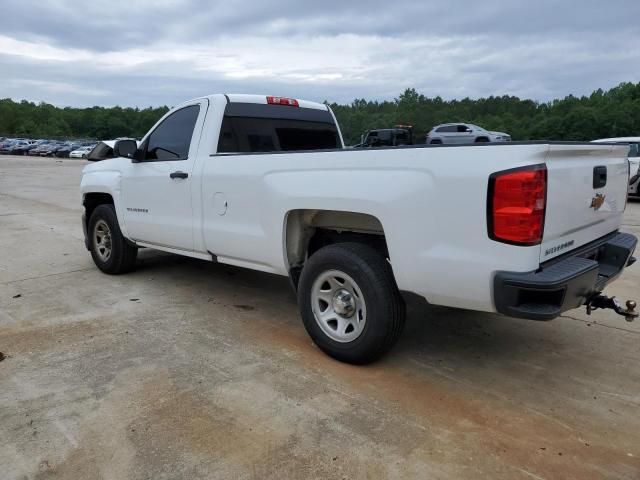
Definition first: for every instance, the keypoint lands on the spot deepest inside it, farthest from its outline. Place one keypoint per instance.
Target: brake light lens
(291, 102)
(516, 205)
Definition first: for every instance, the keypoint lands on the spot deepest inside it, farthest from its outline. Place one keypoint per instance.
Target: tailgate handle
(599, 176)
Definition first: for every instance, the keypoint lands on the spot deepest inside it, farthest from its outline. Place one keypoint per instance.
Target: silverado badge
(597, 201)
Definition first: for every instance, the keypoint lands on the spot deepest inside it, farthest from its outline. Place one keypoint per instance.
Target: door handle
(178, 175)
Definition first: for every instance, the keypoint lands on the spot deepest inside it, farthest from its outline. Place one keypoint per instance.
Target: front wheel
(350, 304)
(109, 249)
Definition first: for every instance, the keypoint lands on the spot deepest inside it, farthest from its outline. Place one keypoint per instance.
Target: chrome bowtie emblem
(597, 201)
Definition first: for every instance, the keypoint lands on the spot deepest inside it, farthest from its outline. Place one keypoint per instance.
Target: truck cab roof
(262, 99)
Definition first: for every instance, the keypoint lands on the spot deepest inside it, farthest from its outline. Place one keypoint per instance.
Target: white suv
(457, 133)
(634, 160)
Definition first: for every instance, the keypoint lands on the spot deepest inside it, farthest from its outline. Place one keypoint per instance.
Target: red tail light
(292, 102)
(516, 205)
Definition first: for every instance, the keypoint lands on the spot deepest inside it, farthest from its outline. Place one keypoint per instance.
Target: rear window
(256, 128)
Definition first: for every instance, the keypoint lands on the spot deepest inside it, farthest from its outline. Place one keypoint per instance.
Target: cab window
(256, 128)
(172, 138)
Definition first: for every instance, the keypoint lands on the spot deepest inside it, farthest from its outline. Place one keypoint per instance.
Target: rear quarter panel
(430, 201)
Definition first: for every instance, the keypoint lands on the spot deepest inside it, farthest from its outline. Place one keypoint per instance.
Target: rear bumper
(565, 282)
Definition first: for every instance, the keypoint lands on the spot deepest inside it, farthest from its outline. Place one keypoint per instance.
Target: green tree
(611, 113)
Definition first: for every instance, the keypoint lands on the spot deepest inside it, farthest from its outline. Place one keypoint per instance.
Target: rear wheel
(350, 304)
(110, 251)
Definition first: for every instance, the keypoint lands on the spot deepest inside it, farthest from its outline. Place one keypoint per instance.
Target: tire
(436, 141)
(482, 140)
(110, 251)
(361, 325)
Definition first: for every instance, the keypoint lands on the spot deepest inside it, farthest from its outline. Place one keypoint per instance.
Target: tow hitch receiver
(602, 301)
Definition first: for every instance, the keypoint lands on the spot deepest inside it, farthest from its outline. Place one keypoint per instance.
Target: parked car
(51, 149)
(37, 150)
(66, 150)
(266, 183)
(634, 160)
(44, 150)
(19, 147)
(387, 137)
(5, 147)
(33, 147)
(459, 133)
(81, 152)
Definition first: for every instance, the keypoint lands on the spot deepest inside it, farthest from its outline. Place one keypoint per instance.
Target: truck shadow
(436, 334)
(431, 333)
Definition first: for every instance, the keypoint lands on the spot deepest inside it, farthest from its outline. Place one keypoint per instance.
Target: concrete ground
(186, 369)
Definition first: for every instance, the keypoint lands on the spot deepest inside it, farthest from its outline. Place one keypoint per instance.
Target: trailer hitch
(602, 301)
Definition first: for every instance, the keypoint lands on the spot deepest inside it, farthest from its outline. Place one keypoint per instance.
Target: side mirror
(125, 148)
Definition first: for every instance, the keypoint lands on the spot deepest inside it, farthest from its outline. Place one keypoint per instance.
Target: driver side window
(172, 138)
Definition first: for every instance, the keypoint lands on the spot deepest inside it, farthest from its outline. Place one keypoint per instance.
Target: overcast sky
(143, 52)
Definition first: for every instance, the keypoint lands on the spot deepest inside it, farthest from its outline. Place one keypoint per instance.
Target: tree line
(611, 113)
(42, 120)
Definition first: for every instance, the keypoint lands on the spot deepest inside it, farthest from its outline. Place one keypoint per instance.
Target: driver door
(463, 134)
(157, 189)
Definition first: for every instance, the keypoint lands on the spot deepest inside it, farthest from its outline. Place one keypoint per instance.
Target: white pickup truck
(527, 230)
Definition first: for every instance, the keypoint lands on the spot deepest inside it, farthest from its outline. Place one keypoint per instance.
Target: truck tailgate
(586, 195)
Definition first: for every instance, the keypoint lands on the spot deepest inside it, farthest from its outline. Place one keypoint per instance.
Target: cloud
(162, 52)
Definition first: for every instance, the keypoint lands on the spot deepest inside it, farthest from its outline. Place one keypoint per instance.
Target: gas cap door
(220, 203)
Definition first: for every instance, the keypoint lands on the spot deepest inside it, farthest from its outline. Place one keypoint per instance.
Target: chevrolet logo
(597, 202)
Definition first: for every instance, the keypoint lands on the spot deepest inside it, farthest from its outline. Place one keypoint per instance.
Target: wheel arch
(91, 200)
(308, 230)
(103, 185)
